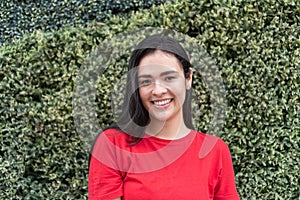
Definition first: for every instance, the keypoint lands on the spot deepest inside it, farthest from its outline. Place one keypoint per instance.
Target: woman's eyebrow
(145, 76)
(168, 72)
(161, 74)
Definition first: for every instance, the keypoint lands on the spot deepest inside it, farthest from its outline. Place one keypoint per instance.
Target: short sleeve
(104, 181)
(226, 187)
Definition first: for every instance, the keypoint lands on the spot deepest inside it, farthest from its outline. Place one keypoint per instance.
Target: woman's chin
(161, 117)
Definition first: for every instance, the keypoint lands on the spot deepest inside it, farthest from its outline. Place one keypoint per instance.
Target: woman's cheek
(144, 95)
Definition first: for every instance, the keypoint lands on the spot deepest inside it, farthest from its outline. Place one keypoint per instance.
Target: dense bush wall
(256, 46)
(19, 17)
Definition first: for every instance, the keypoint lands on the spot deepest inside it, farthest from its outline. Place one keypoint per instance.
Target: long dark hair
(134, 117)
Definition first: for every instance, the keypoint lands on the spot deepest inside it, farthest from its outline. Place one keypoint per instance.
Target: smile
(161, 102)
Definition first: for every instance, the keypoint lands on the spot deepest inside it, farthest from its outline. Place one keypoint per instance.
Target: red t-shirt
(197, 166)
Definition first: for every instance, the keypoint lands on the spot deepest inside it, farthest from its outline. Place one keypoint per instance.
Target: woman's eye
(170, 78)
(145, 82)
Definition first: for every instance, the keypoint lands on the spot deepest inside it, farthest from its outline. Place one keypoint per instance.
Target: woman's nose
(158, 89)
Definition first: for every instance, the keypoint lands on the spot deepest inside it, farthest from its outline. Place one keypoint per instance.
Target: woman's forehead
(158, 70)
(159, 61)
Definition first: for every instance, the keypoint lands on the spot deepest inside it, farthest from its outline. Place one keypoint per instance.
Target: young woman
(154, 152)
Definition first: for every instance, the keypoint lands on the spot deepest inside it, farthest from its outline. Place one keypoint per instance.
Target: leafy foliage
(255, 45)
(19, 17)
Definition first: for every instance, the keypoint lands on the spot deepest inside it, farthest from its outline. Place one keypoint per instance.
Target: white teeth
(161, 103)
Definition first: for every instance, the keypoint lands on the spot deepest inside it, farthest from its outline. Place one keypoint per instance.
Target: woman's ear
(189, 79)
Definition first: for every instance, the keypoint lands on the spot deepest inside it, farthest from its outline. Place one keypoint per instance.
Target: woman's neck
(172, 129)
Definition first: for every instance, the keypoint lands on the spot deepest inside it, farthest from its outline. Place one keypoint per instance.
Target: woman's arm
(226, 188)
(104, 180)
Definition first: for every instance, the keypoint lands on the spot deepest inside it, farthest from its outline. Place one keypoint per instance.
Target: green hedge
(19, 17)
(256, 47)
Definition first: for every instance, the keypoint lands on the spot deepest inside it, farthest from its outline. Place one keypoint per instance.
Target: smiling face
(162, 86)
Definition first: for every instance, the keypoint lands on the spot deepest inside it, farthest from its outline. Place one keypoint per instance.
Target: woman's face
(162, 86)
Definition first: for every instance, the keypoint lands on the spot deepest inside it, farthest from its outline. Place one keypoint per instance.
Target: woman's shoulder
(108, 139)
(113, 133)
(210, 143)
(210, 138)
